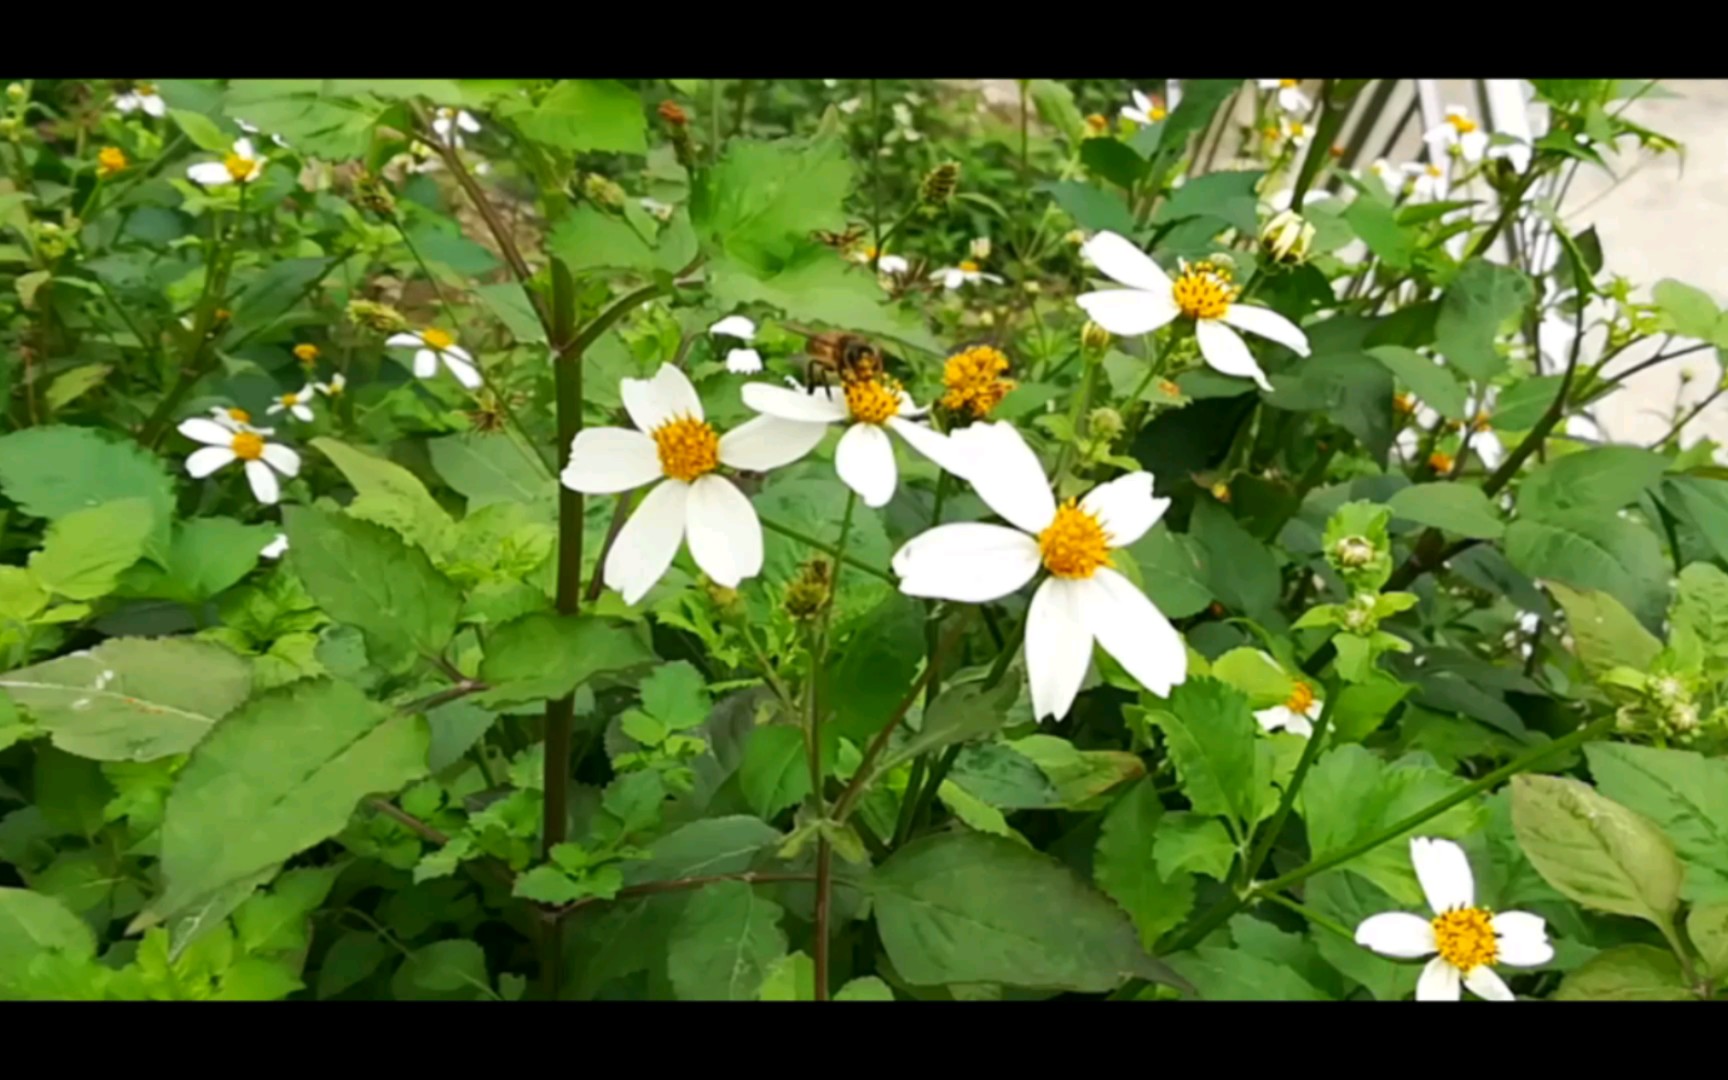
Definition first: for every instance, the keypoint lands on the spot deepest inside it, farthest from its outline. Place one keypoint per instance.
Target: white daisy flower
(967, 273)
(252, 129)
(1468, 939)
(1457, 131)
(142, 96)
(334, 388)
(1145, 110)
(1201, 292)
(241, 166)
(744, 361)
(1484, 440)
(1296, 715)
(1429, 182)
(235, 418)
(434, 345)
(1289, 95)
(691, 503)
(1297, 133)
(1083, 600)
(275, 548)
(889, 265)
(865, 457)
(294, 404)
(448, 124)
(224, 444)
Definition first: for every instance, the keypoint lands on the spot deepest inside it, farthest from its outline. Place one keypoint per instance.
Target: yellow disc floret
(239, 415)
(240, 168)
(1465, 938)
(688, 448)
(1440, 461)
(1301, 698)
(1288, 84)
(1075, 544)
(289, 400)
(974, 381)
(306, 353)
(436, 339)
(247, 445)
(873, 401)
(110, 160)
(1463, 125)
(1204, 291)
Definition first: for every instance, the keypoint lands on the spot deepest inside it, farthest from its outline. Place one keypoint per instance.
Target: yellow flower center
(869, 252)
(1434, 171)
(290, 400)
(1096, 122)
(306, 353)
(1440, 461)
(1221, 491)
(1465, 938)
(437, 340)
(240, 415)
(1203, 291)
(447, 113)
(974, 381)
(1297, 129)
(1074, 545)
(1404, 403)
(144, 89)
(240, 168)
(873, 401)
(968, 266)
(247, 445)
(110, 159)
(1270, 131)
(1288, 84)
(1463, 125)
(1481, 422)
(1157, 112)
(1301, 698)
(688, 448)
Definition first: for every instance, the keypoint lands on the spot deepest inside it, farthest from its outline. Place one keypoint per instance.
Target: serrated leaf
(54, 471)
(1604, 633)
(544, 656)
(1594, 850)
(588, 114)
(391, 496)
(1683, 792)
(205, 557)
(1477, 301)
(1454, 507)
(1589, 550)
(1125, 866)
(1626, 973)
(724, 944)
(443, 971)
(488, 469)
(1211, 733)
(775, 773)
(86, 551)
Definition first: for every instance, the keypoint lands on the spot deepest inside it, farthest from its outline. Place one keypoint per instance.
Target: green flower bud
(1094, 338)
(1287, 238)
(381, 318)
(16, 92)
(603, 192)
(1106, 421)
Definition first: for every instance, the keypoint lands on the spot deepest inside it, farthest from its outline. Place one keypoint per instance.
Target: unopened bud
(1221, 491)
(380, 318)
(808, 591)
(9, 128)
(372, 193)
(1287, 238)
(16, 92)
(939, 184)
(1097, 125)
(1075, 237)
(1106, 421)
(603, 192)
(1353, 552)
(1094, 338)
(673, 113)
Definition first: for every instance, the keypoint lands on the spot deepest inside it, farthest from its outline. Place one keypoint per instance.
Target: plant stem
(1269, 834)
(1314, 917)
(828, 549)
(813, 732)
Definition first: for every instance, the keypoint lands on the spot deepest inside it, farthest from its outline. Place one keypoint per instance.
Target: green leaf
(488, 469)
(1591, 550)
(391, 496)
(509, 301)
(54, 471)
(790, 978)
(1682, 791)
(70, 793)
(132, 699)
(1211, 732)
(85, 552)
(278, 921)
(676, 694)
(279, 776)
(1599, 478)
(203, 132)
(1227, 195)
(547, 885)
(722, 845)
(368, 577)
(273, 291)
(546, 656)
(443, 971)
(1055, 105)
(1195, 843)
(1454, 507)
(1240, 570)
(352, 959)
(1112, 160)
(590, 239)
(205, 557)
(1221, 974)
(1433, 383)
(1080, 776)
(1348, 899)
(1124, 865)
(724, 944)
(1689, 311)
(69, 386)
(1704, 502)
(1090, 207)
(589, 114)
(814, 286)
(1378, 226)
(1707, 926)
(32, 924)
(869, 676)
(761, 201)
(1521, 406)
(774, 773)
(1594, 850)
(1478, 300)
(1604, 634)
(1172, 571)
(961, 713)
(869, 988)
(1627, 973)
(969, 908)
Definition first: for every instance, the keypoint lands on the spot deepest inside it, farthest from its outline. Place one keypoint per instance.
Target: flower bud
(9, 128)
(603, 192)
(1287, 237)
(1106, 421)
(807, 592)
(1221, 491)
(673, 113)
(939, 184)
(372, 193)
(380, 318)
(1094, 338)
(1353, 551)
(15, 92)
(1097, 126)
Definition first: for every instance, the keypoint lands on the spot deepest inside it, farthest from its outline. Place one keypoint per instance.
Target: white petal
(1125, 507)
(282, 459)
(466, 374)
(790, 404)
(865, 461)
(1058, 648)
(403, 341)
(275, 548)
(1486, 984)
(1300, 725)
(302, 413)
(263, 482)
(243, 147)
(1439, 982)
(734, 326)
(652, 402)
(1523, 939)
(1142, 102)
(1118, 259)
(893, 264)
(768, 442)
(209, 173)
(1129, 311)
(646, 544)
(1132, 629)
(459, 353)
(206, 431)
(1397, 934)
(467, 123)
(607, 460)
(274, 409)
(724, 534)
(1444, 873)
(425, 364)
(929, 442)
(1006, 474)
(1473, 143)
(970, 562)
(1222, 349)
(743, 361)
(1274, 719)
(1268, 324)
(207, 460)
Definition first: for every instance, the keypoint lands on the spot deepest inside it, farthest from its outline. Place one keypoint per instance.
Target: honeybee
(847, 356)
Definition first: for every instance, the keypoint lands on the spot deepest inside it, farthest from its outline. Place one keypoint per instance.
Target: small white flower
(1297, 133)
(275, 548)
(295, 404)
(334, 388)
(691, 503)
(741, 361)
(1390, 176)
(1296, 715)
(851, 105)
(448, 124)
(1083, 601)
(888, 265)
(142, 96)
(865, 457)
(967, 273)
(660, 210)
(236, 419)
(433, 345)
(979, 249)
(1459, 131)
(241, 166)
(1429, 181)
(1289, 95)
(1468, 939)
(1201, 292)
(1484, 440)
(1144, 110)
(223, 444)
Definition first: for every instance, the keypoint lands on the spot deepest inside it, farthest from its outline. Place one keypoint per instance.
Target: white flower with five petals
(1296, 715)
(1201, 292)
(1083, 601)
(142, 96)
(1429, 182)
(433, 345)
(691, 503)
(1458, 132)
(241, 166)
(448, 124)
(295, 404)
(235, 418)
(1145, 110)
(1468, 940)
(1289, 94)
(334, 388)
(967, 273)
(744, 361)
(223, 444)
